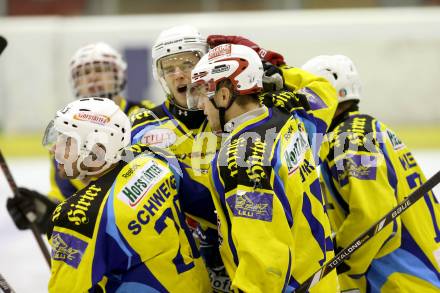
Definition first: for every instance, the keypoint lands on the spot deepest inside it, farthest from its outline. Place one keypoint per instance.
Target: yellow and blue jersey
(62, 188)
(368, 170)
(323, 101)
(273, 230)
(188, 137)
(125, 232)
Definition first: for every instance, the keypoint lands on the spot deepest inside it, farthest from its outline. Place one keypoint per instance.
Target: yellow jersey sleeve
(320, 94)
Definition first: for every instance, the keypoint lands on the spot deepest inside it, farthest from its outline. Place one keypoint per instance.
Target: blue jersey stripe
(112, 229)
(332, 188)
(278, 185)
(286, 281)
(402, 262)
(409, 244)
(392, 178)
(221, 192)
(136, 271)
(315, 226)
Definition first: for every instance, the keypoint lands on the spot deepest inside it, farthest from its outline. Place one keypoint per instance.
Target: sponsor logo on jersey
(92, 117)
(233, 154)
(252, 205)
(295, 151)
(131, 169)
(220, 281)
(137, 187)
(255, 162)
(67, 248)
(77, 213)
(153, 206)
(395, 141)
(222, 50)
(160, 137)
(358, 166)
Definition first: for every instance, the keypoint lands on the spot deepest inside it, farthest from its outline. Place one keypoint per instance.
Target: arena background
(394, 44)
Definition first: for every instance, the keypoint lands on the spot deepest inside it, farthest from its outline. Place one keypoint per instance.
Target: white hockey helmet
(90, 122)
(239, 64)
(94, 59)
(178, 39)
(340, 71)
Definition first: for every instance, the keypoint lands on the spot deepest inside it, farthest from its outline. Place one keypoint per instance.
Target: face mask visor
(198, 92)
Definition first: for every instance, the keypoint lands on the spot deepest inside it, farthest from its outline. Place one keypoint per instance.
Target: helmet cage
(97, 70)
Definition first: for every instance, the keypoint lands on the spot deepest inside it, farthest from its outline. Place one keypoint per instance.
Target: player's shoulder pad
(80, 211)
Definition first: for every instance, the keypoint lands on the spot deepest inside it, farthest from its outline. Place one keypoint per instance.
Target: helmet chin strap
(222, 110)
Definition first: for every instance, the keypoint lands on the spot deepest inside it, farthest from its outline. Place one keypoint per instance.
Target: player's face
(211, 113)
(66, 154)
(176, 70)
(95, 79)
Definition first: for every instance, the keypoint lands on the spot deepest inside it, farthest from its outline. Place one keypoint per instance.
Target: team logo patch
(251, 205)
(295, 151)
(395, 141)
(219, 51)
(92, 117)
(67, 248)
(137, 187)
(358, 166)
(160, 137)
(315, 101)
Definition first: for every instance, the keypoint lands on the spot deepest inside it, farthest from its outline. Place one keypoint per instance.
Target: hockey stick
(4, 286)
(30, 216)
(373, 230)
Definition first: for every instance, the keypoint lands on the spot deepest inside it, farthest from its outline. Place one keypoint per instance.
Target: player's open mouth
(181, 88)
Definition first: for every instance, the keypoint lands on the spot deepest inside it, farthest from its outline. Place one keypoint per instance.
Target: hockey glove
(265, 55)
(285, 100)
(30, 201)
(209, 250)
(272, 78)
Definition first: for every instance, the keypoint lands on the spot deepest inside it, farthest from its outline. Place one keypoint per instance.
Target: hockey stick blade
(3, 44)
(30, 216)
(4, 286)
(373, 230)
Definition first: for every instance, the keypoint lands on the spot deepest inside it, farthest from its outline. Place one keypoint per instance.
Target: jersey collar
(239, 121)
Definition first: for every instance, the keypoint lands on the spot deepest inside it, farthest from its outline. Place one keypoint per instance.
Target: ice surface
(21, 262)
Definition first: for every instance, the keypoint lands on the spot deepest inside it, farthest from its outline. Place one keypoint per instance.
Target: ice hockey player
(125, 229)
(186, 134)
(273, 230)
(367, 170)
(95, 70)
(287, 88)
